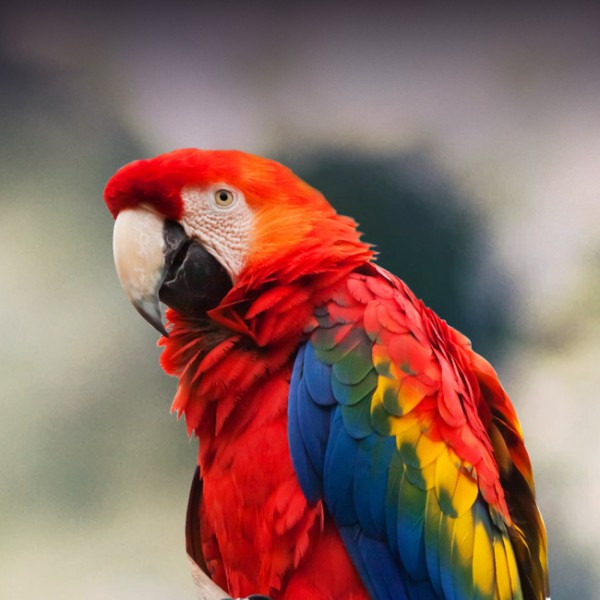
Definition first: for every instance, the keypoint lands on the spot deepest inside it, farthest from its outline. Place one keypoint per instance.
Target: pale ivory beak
(139, 253)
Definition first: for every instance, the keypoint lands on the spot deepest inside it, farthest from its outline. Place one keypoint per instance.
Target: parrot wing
(193, 538)
(410, 440)
(201, 544)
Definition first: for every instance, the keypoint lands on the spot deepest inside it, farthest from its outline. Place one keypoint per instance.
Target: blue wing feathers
(317, 377)
(314, 428)
(310, 481)
(348, 537)
(340, 466)
(432, 541)
(410, 515)
(360, 490)
(375, 565)
(380, 450)
(391, 502)
(359, 475)
(446, 558)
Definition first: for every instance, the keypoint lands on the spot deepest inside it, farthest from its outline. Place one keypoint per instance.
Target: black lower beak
(194, 281)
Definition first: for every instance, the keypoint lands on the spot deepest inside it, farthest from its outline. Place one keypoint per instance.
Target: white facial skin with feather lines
(221, 220)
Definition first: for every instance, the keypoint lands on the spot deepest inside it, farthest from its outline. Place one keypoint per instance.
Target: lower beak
(155, 260)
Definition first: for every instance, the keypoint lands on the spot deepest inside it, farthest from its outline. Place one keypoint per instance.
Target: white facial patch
(219, 218)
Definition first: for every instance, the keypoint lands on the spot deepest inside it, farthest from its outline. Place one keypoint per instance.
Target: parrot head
(191, 225)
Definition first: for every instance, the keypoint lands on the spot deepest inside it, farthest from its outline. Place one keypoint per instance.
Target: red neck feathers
(248, 342)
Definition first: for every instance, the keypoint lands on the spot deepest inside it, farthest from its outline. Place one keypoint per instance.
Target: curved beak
(139, 253)
(156, 261)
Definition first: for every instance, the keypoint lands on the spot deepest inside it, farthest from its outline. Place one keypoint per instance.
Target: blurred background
(466, 143)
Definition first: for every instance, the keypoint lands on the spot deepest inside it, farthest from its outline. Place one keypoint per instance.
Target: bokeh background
(466, 143)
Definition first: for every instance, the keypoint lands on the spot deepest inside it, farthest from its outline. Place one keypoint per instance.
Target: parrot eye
(224, 198)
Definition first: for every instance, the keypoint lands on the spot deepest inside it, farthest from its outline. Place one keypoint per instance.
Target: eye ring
(224, 198)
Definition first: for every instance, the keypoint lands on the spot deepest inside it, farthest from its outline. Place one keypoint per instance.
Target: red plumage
(308, 273)
(234, 396)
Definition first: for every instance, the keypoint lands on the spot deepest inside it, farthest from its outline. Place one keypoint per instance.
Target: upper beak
(139, 251)
(156, 260)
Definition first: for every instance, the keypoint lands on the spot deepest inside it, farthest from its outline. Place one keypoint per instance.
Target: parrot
(351, 443)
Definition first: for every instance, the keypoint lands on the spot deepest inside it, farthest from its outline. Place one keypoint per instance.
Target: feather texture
(422, 440)
(352, 444)
(263, 523)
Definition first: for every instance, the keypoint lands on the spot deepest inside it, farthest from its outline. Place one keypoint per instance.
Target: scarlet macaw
(351, 443)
